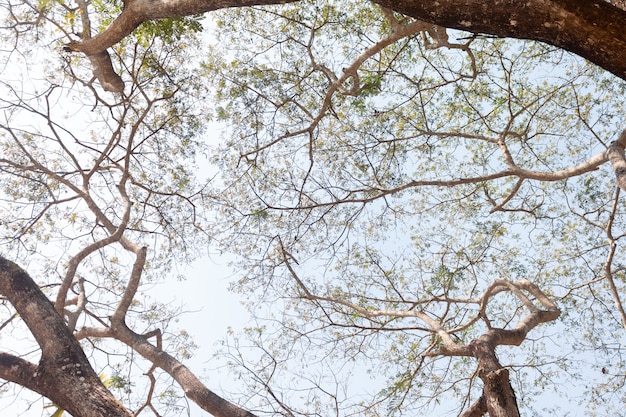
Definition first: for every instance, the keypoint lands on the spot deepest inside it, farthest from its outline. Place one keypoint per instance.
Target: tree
(591, 29)
(99, 193)
(364, 147)
(419, 197)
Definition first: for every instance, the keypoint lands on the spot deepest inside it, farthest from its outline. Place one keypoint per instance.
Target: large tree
(419, 197)
(99, 192)
(401, 195)
(590, 28)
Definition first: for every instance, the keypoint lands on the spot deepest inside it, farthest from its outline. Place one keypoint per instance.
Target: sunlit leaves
(170, 30)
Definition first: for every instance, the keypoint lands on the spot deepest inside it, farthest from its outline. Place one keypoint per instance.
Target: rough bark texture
(499, 397)
(63, 374)
(136, 12)
(593, 29)
(477, 409)
(104, 72)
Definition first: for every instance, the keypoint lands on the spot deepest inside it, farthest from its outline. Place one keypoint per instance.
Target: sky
(210, 308)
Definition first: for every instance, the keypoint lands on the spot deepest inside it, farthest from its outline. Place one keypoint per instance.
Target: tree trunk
(63, 374)
(498, 393)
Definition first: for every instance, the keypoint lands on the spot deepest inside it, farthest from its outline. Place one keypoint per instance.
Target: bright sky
(211, 308)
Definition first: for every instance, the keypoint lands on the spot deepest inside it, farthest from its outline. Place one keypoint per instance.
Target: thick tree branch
(19, 371)
(131, 287)
(477, 409)
(63, 374)
(194, 389)
(105, 73)
(592, 29)
(498, 397)
(138, 11)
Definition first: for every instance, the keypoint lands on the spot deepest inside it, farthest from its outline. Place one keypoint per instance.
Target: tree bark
(63, 374)
(498, 393)
(592, 29)
(477, 409)
(136, 12)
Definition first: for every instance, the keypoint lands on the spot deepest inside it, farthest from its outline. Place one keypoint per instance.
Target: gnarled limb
(64, 374)
(100, 60)
(498, 398)
(134, 13)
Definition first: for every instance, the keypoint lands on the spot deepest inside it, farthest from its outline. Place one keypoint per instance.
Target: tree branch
(477, 409)
(592, 29)
(63, 374)
(19, 371)
(615, 155)
(194, 389)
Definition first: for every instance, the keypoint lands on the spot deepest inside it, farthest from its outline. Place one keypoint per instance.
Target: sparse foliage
(426, 215)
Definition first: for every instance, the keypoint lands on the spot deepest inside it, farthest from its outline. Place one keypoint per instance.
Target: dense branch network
(507, 145)
(64, 368)
(498, 398)
(591, 29)
(112, 224)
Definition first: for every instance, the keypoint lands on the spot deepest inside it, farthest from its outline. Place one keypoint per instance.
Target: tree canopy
(422, 201)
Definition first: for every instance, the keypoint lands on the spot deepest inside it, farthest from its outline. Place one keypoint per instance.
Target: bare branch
(608, 266)
(615, 155)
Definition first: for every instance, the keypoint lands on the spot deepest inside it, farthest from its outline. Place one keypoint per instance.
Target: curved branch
(536, 316)
(592, 29)
(375, 193)
(615, 155)
(608, 272)
(131, 287)
(116, 235)
(136, 12)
